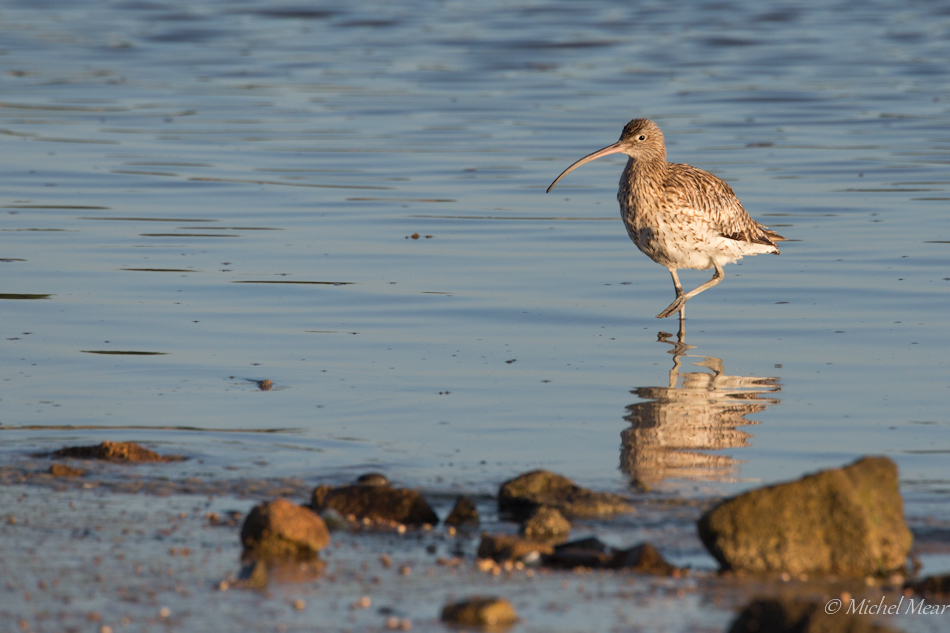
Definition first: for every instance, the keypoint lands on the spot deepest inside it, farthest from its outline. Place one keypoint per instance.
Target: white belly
(690, 245)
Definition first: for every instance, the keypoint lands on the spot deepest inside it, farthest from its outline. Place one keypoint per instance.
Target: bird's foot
(676, 306)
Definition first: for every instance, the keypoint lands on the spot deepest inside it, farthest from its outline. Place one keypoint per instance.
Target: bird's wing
(709, 199)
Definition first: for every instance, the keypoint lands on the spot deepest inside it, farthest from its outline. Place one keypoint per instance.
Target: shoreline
(102, 554)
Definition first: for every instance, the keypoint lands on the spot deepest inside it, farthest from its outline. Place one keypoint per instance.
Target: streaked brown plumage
(678, 215)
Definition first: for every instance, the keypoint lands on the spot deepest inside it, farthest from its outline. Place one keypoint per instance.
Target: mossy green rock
(847, 521)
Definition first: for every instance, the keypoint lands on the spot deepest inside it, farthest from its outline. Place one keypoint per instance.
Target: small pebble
(334, 520)
(485, 564)
(164, 612)
(373, 479)
(300, 604)
(395, 624)
(481, 612)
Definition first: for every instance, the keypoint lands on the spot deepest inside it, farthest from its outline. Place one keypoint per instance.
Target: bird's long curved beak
(616, 148)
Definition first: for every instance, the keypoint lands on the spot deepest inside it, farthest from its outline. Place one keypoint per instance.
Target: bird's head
(641, 140)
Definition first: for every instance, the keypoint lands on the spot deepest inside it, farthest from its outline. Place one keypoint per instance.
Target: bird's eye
(642, 137)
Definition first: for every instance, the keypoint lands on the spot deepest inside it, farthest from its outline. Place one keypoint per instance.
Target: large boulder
(847, 521)
(521, 496)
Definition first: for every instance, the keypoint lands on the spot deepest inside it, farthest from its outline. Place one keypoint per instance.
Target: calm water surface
(348, 199)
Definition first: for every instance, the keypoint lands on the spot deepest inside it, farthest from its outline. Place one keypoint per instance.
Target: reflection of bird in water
(678, 215)
(697, 411)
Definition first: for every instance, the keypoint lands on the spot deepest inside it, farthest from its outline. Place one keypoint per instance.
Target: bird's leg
(676, 283)
(681, 298)
(676, 305)
(681, 334)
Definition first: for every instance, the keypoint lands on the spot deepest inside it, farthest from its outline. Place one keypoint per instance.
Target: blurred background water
(347, 199)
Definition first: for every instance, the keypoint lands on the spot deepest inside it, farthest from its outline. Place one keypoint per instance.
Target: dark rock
(115, 452)
(593, 553)
(502, 547)
(847, 521)
(591, 543)
(519, 497)
(376, 503)
(546, 525)
(645, 559)
(318, 496)
(282, 530)
(464, 513)
(767, 615)
(373, 479)
(61, 470)
(588, 552)
(938, 586)
(482, 612)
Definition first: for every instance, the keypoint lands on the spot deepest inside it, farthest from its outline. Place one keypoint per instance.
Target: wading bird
(678, 215)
